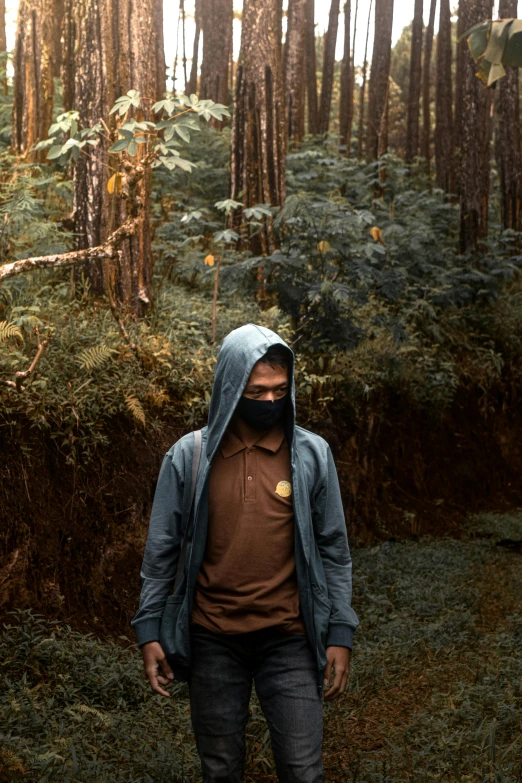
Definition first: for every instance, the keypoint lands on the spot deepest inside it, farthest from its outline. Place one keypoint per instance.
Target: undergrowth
(434, 691)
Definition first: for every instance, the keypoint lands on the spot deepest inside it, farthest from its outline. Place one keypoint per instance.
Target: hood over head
(240, 351)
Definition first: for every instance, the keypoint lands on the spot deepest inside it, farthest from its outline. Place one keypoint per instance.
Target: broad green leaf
(119, 146)
(54, 152)
(132, 148)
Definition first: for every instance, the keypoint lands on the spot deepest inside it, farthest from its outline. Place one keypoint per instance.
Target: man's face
(267, 382)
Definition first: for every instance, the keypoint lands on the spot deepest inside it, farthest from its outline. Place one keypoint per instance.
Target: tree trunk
(412, 128)
(330, 43)
(116, 49)
(192, 86)
(379, 74)
(159, 48)
(346, 100)
(216, 16)
(362, 95)
(462, 47)
(258, 128)
(474, 173)
(68, 55)
(444, 138)
(34, 67)
(426, 119)
(311, 69)
(293, 65)
(507, 147)
(91, 200)
(3, 43)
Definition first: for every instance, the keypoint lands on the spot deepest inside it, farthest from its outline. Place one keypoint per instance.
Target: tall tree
(476, 131)
(192, 86)
(379, 74)
(507, 146)
(444, 136)
(412, 128)
(115, 50)
(258, 129)
(216, 19)
(459, 76)
(311, 69)
(330, 42)
(34, 68)
(293, 64)
(3, 43)
(362, 93)
(346, 101)
(426, 83)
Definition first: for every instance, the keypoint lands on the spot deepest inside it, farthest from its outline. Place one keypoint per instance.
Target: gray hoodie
(323, 562)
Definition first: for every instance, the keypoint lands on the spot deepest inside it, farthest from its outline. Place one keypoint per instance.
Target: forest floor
(435, 690)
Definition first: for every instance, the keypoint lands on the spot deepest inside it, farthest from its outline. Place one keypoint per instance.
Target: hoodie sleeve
(332, 541)
(162, 550)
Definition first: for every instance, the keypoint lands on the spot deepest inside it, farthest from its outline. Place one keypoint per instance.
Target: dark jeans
(283, 669)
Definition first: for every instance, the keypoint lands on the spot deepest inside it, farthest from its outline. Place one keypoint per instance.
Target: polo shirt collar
(231, 444)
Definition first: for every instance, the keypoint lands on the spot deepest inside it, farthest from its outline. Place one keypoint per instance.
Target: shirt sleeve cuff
(147, 631)
(340, 636)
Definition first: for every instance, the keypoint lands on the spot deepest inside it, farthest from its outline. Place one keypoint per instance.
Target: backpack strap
(196, 459)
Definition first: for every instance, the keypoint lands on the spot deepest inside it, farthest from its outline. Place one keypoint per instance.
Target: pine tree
(258, 128)
(293, 65)
(476, 135)
(347, 82)
(379, 75)
(507, 146)
(311, 69)
(34, 69)
(444, 136)
(216, 19)
(426, 85)
(330, 43)
(412, 129)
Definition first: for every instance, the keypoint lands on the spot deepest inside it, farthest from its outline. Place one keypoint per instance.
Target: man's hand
(156, 666)
(339, 663)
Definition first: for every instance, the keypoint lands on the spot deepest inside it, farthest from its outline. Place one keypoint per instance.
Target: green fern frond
(136, 409)
(95, 357)
(9, 331)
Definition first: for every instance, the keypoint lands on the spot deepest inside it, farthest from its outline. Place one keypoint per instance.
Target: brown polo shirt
(247, 580)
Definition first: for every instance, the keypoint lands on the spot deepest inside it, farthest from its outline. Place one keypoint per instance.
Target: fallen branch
(106, 250)
(21, 375)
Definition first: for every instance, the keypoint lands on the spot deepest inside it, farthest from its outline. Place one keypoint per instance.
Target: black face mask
(261, 414)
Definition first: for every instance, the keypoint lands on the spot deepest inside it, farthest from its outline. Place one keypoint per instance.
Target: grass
(435, 690)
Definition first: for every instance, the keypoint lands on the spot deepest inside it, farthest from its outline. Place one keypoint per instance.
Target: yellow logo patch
(284, 489)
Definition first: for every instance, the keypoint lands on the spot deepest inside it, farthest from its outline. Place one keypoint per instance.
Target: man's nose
(270, 396)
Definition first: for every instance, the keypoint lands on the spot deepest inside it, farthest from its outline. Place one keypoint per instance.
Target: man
(266, 591)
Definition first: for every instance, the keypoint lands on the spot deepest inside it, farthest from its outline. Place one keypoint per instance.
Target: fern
(95, 357)
(136, 409)
(9, 331)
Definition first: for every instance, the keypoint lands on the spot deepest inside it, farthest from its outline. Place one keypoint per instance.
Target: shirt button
(250, 478)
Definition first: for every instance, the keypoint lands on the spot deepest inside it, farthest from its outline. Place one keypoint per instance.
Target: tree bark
(444, 136)
(507, 147)
(476, 131)
(346, 100)
(159, 48)
(362, 95)
(293, 65)
(34, 68)
(311, 69)
(116, 49)
(216, 16)
(379, 74)
(258, 129)
(330, 43)
(412, 128)
(192, 86)
(426, 118)
(68, 56)
(3, 43)
(459, 76)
